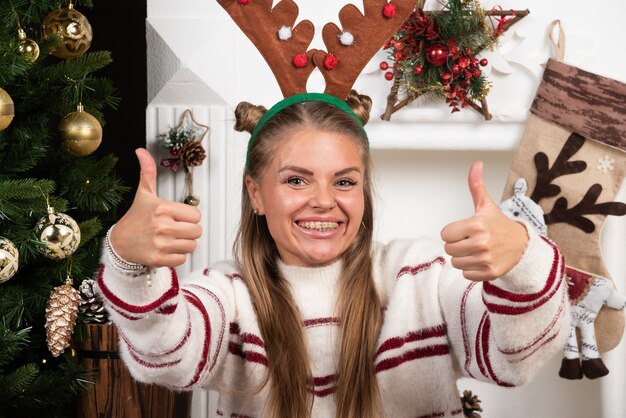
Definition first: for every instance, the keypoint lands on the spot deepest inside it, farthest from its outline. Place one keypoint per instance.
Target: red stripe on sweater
(466, 344)
(139, 309)
(419, 335)
(413, 270)
(433, 415)
(316, 322)
(486, 358)
(165, 353)
(556, 334)
(512, 310)
(222, 318)
(456, 412)
(252, 356)
(555, 320)
(416, 354)
(152, 365)
(234, 276)
(204, 357)
(167, 310)
(234, 328)
(125, 315)
(479, 333)
(252, 339)
(324, 392)
(493, 290)
(324, 380)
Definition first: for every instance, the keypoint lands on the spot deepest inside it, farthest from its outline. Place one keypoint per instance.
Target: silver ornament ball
(60, 234)
(9, 259)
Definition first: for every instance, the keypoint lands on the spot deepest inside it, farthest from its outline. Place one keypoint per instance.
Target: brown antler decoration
(587, 206)
(261, 23)
(370, 31)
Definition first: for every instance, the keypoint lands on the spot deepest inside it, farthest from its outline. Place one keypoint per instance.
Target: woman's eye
(345, 183)
(295, 181)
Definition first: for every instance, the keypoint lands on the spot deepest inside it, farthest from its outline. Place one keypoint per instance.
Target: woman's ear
(255, 195)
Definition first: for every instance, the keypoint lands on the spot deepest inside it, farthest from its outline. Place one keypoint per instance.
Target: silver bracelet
(126, 267)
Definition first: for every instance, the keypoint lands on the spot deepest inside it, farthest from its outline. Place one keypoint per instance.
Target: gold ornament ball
(27, 47)
(73, 28)
(9, 259)
(60, 233)
(80, 132)
(7, 109)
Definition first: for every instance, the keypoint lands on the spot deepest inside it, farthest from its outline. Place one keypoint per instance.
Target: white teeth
(319, 226)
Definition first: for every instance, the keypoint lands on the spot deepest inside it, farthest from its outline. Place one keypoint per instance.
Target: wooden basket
(116, 393)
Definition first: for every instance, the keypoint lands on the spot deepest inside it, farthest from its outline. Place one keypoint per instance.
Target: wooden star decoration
(435, 52)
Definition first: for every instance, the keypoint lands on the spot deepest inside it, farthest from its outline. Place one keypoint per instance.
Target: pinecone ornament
(471, 404)
(192, 154)
(61, 313)
(91, 306)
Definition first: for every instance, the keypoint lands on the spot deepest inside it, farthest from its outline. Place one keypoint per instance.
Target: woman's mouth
(319, 226)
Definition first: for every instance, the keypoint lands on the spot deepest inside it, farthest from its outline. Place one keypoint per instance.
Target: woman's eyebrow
(347, 170)
(296, 169)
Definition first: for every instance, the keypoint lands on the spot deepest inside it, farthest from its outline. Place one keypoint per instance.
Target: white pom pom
(346, 39)
(284, 33)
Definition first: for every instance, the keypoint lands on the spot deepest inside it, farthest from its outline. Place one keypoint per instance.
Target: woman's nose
(323, 198)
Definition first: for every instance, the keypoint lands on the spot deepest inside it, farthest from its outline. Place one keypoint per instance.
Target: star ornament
(606, 164)
(435, 52)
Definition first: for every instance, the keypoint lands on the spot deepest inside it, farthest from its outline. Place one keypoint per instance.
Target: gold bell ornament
(27, 47)
(72, 27)
(9, 259)
(7, 109)
(61, 313)
(80, 132)
(60, 234)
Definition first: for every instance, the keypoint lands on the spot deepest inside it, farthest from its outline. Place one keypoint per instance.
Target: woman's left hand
(488, 244)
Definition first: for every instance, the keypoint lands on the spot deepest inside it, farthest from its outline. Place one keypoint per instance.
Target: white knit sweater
(437, 327)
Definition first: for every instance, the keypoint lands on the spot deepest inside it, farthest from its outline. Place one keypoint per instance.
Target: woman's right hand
(155, 232)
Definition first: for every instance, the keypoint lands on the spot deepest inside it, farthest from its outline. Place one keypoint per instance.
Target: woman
(313, 319)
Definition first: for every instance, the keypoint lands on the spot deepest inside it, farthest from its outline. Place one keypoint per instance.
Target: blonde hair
(358, 305)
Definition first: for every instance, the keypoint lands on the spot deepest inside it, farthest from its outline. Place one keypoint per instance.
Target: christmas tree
(51, 104)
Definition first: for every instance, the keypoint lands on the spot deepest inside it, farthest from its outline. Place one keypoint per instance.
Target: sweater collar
(320, 277)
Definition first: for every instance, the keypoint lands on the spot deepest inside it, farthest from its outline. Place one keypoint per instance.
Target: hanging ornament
(9, 259)
(7, 109)
(27, 47)
(72, 27)
(61, 313)
(184, 143)
(60, 234)
(80, 132)
(91, 305)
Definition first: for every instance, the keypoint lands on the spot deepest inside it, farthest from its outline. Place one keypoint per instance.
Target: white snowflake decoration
(606, 164)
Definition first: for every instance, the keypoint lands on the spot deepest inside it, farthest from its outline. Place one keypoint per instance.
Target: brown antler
(561, 167)
(343, 63)
(261, 24)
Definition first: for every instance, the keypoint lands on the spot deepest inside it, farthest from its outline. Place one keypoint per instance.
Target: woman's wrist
(127, 267)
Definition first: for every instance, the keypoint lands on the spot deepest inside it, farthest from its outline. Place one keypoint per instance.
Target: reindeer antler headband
(285, 46)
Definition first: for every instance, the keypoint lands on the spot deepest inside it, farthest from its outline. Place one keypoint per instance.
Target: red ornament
(330, 62)
(437, 54)
(484, 62)
(456, 70)
(383, 65)
(477, 73)
(446, 76)
(299, 60)
(468, 51)
(454, 51)
(417, 70)
(244, 2)
(389, 75)
(389, 10)
(464, 62)
(398, 56)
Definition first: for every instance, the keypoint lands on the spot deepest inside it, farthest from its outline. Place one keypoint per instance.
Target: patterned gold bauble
(7, 109)
(80, 132)
(73, 28)
(61, 313)
(27, 47)
(9, 259)
(59, 232)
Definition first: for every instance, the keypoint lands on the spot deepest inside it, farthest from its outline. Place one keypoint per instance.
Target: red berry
(398, 56)
(484, 62)
(300, 60)
(477, 73)
(389, 75)
(389, 10)
(330, 62)
(417, 70)
(383, 65)
(446, 76)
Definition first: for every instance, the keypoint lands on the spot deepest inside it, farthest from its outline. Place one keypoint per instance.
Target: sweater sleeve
(504, 330)
(170, 334)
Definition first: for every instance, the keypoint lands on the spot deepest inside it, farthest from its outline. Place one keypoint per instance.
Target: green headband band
(301, 98)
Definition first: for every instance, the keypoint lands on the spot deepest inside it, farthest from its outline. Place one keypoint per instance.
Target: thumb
(148, 172)
(479, 192)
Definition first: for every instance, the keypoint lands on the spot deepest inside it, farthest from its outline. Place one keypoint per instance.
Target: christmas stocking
(573, 158)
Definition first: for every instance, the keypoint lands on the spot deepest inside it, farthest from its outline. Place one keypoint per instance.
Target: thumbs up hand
(488, 244)
(155, 232)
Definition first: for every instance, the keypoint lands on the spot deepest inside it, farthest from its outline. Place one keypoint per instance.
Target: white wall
(198, 59)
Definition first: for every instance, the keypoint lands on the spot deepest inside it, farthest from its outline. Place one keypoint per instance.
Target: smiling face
(311, 194)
